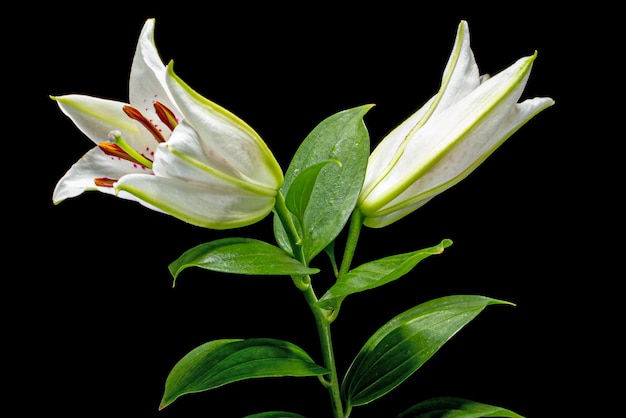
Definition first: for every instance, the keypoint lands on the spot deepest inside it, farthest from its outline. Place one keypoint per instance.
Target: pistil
(120, 148)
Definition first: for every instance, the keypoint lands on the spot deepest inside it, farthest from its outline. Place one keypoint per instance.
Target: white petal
(185, 140)
(97, 117)
(517, 117)
(389, 150)
(461, 75)
(387, 218)
(147, 79)
(94, 164)
(238, 145)
(198, 204)
(183, 157)
(460, 78)
(462, 161)
(456, 137)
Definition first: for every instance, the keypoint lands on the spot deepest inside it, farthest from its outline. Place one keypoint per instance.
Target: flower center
(118, 147)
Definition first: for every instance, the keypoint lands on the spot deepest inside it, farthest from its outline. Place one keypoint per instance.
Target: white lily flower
(211, 170)
(137, 126)
(446, 139)
(214, 171)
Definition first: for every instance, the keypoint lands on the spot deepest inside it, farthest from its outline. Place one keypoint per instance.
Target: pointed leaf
(220, 362)
(299, 194)
(241, 256)
(405, 343)
(341, 137)
(450, 407)
(376, 273)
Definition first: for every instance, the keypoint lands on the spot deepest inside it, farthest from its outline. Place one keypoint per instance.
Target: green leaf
(220, 362)
(241, 256)
(342, 137)
(449, 407)
(405, 343)
(299, 194)
(275, 414)
(376, 273)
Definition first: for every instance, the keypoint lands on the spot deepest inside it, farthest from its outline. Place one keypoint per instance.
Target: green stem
(323, 330)
(290, 228)
(321, 316)
(356, 221)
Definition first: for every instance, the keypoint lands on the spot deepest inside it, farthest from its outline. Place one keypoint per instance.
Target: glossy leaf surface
(405, 343)
(301, 188)
(342, 137)
(450, 407)
(376, 273)
(220, 362)
(240, 256)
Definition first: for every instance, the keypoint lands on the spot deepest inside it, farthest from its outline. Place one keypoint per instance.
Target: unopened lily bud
(445, 140)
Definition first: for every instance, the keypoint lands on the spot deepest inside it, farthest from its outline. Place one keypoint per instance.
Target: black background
(93, 323)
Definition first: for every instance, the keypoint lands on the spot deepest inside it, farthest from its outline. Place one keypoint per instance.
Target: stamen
(114, 150)
(104, 182)
(116, 138)
(166, 115)
(136, 115)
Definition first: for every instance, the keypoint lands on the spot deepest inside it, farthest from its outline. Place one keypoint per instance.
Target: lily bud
(446, 139)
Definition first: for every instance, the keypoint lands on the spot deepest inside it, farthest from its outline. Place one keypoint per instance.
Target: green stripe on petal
(228, 135)
(96, 117)
(235, 182)
(187, 157)
(486, 106)
(197, 204)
